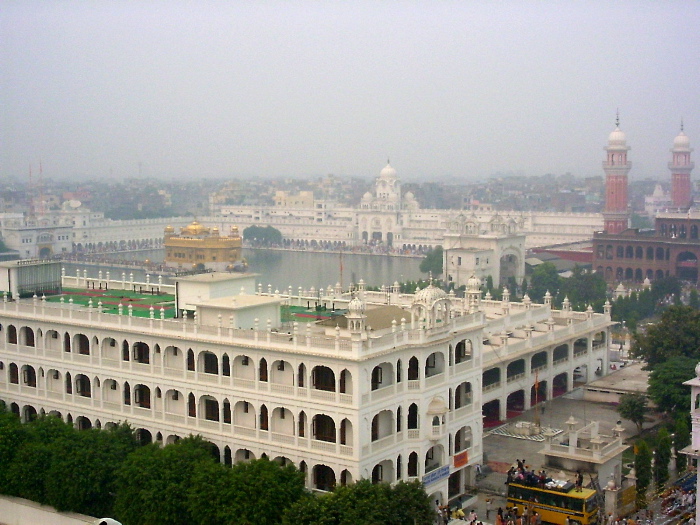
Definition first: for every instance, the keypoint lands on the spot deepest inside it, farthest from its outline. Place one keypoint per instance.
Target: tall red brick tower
(616, 168)
(680, 167)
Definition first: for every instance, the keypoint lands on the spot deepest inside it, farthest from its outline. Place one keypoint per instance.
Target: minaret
(680, 167)
(616, 168)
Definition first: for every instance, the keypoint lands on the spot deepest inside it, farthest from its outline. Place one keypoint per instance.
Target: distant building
(498, 252)
(673, 248)
(657, 202)
(198, 247)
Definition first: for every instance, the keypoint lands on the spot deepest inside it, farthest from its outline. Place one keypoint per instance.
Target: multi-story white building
(392, 389)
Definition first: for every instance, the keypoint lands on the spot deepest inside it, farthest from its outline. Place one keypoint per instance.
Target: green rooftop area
(302, 314)
(111, 299)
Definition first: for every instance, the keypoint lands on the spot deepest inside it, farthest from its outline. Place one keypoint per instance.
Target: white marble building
(396, 219)
(393, 389)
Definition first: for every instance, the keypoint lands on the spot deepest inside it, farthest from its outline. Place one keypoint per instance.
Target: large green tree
(662, 457)
(544, 278)
(432, 262)
(253, 492)
(264, 235)
(91, 457)
(633, 407)
(676, 334)
(154, 483)
(681, 440)
(666, 387)
(642, 467)
(583, 288)
(12, 435)
(364, 503)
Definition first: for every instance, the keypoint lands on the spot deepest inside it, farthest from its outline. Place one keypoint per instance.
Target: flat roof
(628, 379)
(215, 277)
(237, 302)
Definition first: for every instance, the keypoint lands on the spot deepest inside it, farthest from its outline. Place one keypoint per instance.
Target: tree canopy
(364, 503)
(544, 278)
(633, 407)
(642, 467)
(263, 235)
(432, 262)
(677, 334)
(583, 288)
(111, 474)
(666, 387)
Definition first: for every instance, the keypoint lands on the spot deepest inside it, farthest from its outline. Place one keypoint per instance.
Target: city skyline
(451, 92)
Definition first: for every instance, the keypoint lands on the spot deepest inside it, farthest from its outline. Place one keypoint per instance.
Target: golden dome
(194, 229)
(169, 229)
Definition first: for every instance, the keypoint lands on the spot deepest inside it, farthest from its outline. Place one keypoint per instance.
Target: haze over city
(450, 90)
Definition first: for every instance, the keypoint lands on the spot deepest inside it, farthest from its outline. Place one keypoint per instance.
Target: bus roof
(568, 488)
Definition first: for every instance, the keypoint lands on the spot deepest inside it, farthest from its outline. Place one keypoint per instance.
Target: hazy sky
(455, 90)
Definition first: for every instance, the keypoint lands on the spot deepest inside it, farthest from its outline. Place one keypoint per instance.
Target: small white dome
(367, 196)
(681, 141)
(388, 172)
(429, 295)
(474, 284)
(697, 370)
(356, 306)
(409, 196)
(617, 137)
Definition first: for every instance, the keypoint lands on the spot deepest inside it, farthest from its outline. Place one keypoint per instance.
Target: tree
(544, 278)
(694, 299)
(676, 334)
(666, 387)
(153, 484)
(583, 288)
(265, 236)
(258, 491)
(432, 261)
(633, 407)
(12, 435)
(364, 503)
(682, 440)
(661, 458)
(91, 457)
(642, 467)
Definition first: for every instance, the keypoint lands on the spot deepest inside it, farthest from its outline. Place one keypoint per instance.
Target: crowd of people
(522, 474)
(679, 502)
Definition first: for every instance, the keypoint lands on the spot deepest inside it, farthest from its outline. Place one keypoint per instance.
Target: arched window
(413, 369)
(413, 421)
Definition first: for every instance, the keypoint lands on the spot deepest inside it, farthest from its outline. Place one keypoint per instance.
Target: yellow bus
(556, 503)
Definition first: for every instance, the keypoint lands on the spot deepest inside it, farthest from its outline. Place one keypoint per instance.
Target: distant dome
(367, 196)
(169, 229)
(388, 172)
(194, 229)
(617, 137)
(429, 295)
(697, 370)
(474, 284)
(409, 196)
(356, 306)
(681, 141)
